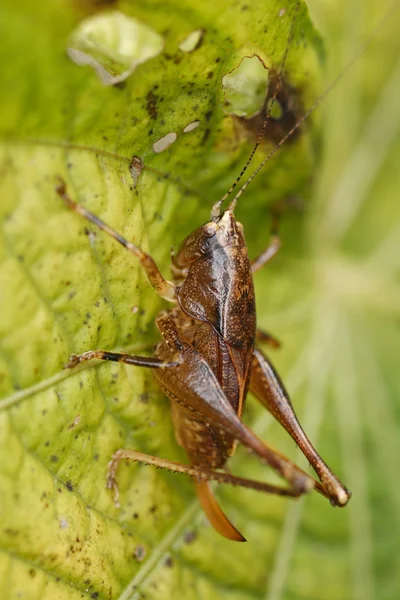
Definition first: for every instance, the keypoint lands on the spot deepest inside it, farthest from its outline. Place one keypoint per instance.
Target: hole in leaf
(191, 126)
(164, 142)
(193, 41)
(246, 87)
(249, 90)
(114, 45)
(286, 110)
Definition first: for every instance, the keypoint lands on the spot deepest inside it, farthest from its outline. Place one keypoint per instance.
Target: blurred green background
(332, 296)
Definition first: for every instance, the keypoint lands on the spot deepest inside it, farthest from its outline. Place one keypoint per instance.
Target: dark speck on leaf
(206, 135)
(69, 486)
(139, 553)
(189, 537)
(169, 562)
(151, 105)
(54, 458)
(144, 397)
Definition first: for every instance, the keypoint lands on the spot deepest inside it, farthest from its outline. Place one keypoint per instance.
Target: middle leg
(130, 359)
(274, 244)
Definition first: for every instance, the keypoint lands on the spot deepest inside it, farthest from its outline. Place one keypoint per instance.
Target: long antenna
(317, 102)
(216, 209)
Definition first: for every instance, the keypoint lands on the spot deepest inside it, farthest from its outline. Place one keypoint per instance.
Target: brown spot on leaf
(169, 562)
(88, 7)
(189, 537)
(151, 105)
(74, 423)
(136, 167)
(139, 553)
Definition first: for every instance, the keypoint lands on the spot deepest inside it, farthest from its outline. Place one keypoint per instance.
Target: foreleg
(164, 288)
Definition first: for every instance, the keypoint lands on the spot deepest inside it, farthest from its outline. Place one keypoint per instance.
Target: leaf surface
(332, 297)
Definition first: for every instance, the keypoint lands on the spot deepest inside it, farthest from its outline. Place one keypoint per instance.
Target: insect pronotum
(208, 359)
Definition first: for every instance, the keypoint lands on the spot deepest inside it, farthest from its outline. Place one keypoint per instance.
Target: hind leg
(270, 391)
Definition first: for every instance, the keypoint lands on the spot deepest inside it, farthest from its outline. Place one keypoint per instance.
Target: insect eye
(209, 229)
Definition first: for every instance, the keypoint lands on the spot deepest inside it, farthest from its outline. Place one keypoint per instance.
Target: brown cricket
(208, 359)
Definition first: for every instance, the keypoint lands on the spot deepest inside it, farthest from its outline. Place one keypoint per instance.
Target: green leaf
(332, 296)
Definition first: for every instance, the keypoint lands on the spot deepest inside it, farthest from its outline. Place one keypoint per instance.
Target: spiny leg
(169, 331)
(166, 289)
(267, 254)
(274, 244)
(198, 473)
(139, 361)
(264, 337)
(277, 210)
(266, 385)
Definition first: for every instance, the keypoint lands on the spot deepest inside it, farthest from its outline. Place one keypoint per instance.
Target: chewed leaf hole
(164, 142)
(252, 91)
(114, 45)
(246, 87)
(191, 126)
(192, 41)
